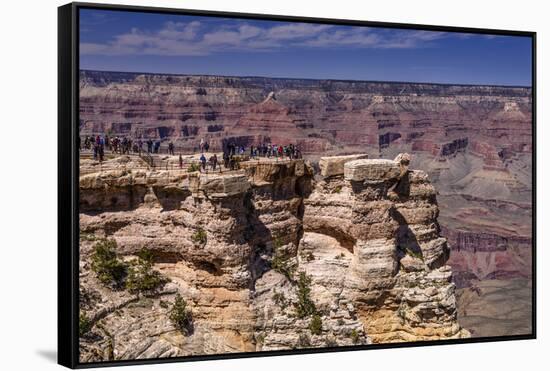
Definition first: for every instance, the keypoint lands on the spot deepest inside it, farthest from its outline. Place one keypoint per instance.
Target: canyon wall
(474, 142)
(361, 237)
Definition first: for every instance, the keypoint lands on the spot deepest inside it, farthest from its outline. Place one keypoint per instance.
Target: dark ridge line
(310, 79)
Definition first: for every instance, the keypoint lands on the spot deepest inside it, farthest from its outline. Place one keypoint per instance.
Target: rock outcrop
(475, 142)
(387, 219)
(334, 165)
(283, 261)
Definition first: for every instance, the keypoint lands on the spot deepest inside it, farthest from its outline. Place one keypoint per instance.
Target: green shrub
(280, 263)
(337, 189)
(193, 167)
(304, 306)
(84, 324)
(84, 236)
(354, 336)
(316, 325)
(142, 278)
(277, 243)
(199, 237)
(110, 270)
(181, 317)
(260, 338)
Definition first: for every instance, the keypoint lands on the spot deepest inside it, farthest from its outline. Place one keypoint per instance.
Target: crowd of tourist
(267, 150)
(100, 143)
(232, 153)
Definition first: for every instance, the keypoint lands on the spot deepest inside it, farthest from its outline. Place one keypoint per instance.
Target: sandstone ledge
(334, 165)
(371, 170)
(218, 186)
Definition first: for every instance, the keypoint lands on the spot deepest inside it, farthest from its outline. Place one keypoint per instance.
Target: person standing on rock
(225, 160)
(101, 152)
(181, 162)
(95, 151)
(171, 148)
(216, 163)
(213, 160)
(203, 162)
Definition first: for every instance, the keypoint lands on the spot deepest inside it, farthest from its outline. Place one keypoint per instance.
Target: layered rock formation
(359, 251)
(317, 115)
(475, 142)
(385, 217)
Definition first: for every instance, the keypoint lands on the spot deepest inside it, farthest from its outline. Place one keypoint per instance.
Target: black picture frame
(68, 175)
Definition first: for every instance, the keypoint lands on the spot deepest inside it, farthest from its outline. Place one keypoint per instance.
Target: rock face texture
(334, 165)
(474, 142)
(286, 261)
(386, 220)
(317, 115)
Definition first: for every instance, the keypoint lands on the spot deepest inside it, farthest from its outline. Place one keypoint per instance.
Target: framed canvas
(242, 185)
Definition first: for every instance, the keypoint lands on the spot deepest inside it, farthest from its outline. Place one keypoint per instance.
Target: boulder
(334, 165)
(372, 170)
(218, 186)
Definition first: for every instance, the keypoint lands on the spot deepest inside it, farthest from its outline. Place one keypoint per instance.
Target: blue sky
(161, 43)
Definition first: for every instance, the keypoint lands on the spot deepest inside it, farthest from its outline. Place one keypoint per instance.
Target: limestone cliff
(287, 258)
(475, 142)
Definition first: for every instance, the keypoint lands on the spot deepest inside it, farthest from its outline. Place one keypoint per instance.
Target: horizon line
(315, 79)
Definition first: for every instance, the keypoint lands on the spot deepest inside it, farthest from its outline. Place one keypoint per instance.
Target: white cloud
(195, 38)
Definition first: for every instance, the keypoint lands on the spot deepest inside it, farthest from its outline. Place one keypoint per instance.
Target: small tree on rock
(142, 278)
(199, 237)
(304, 306)
(181, 316)
(84, 324)
(316, 325)
(110, 270)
